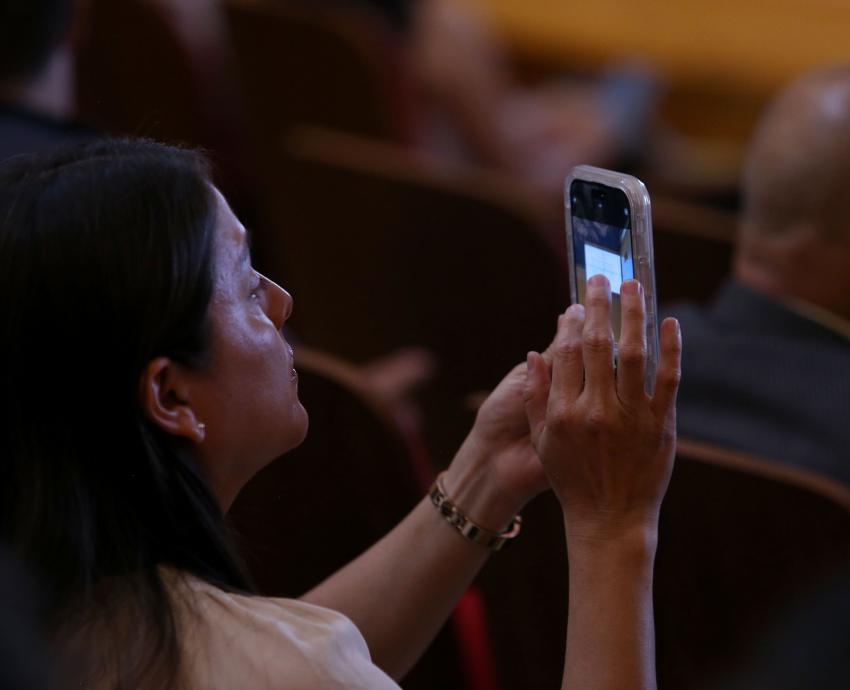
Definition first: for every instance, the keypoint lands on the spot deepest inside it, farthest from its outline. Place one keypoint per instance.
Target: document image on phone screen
(606, 249)
(598, 260)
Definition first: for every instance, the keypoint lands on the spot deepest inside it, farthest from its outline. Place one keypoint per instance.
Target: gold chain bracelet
(463, 524)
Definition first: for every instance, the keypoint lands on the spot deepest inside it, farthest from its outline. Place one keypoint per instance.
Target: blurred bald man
(767, 364)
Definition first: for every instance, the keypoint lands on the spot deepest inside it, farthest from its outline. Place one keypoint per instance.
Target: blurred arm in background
(537, 132)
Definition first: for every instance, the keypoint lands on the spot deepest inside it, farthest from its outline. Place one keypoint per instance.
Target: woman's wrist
(606, 537)
(473, 485)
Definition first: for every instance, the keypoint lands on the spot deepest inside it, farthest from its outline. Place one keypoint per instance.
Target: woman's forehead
(232, 237)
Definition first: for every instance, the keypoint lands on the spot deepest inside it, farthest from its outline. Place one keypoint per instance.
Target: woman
(146, 379)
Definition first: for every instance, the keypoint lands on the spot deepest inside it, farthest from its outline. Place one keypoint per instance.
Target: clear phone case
(641, 229)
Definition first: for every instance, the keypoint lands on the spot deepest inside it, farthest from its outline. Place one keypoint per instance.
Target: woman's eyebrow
(245, 257)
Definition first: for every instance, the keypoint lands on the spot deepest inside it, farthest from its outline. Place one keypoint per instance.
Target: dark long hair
(106, 262)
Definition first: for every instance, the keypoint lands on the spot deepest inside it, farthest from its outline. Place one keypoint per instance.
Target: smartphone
(609, 231)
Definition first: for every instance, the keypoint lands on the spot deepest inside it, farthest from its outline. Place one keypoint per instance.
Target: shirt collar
(819, 315)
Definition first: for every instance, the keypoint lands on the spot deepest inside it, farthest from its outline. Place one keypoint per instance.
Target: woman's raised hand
(606, 446)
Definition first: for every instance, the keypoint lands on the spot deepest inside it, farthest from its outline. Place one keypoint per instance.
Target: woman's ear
(164, 397)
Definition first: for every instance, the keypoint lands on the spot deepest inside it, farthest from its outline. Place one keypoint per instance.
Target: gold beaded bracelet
(467, 528)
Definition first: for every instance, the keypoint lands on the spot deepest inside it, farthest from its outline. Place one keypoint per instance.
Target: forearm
(401, 591)
(610, 633)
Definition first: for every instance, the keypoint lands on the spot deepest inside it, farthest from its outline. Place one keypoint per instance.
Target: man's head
(794, 239)
(30, 31)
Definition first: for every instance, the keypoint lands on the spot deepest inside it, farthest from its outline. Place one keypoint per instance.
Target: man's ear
(164, 397)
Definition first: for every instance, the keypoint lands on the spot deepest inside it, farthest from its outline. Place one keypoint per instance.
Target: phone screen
(602, 239)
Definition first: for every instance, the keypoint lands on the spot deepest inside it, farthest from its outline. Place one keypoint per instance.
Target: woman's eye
(258, 288)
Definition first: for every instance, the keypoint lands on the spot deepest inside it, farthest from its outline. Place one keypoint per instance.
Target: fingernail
(576, 310)
(598, 280)
(630, 287)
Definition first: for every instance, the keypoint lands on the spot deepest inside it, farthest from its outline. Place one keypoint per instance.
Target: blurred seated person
(477, 110)
(124, 443)
(37, 76)
(768, 361)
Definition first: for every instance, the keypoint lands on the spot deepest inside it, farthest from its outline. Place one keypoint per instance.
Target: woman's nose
(280, 304)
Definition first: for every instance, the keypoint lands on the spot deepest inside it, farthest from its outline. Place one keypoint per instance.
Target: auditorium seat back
(694, 244)
(304, 62)
(742, 540)
(142, 72)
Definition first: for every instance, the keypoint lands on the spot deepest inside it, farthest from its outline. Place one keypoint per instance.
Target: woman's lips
(293, 373)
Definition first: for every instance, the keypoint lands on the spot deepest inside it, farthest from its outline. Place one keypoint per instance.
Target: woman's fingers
(567, 358)
(631, 354)
(536, 395)
(669, 369)
(598, 340)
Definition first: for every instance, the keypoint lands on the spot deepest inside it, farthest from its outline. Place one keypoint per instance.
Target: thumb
(536, 394)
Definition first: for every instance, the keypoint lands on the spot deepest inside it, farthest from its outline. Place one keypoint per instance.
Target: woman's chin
(300, 424)
(292, 432)
(305, 423)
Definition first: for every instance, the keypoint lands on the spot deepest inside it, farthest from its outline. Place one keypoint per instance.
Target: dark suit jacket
(761, 378)
(24, 131)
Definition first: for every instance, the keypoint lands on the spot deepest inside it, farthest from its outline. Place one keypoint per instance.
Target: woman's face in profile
(247, 396)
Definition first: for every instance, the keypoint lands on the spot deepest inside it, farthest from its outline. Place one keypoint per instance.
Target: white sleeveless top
(232, 642)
